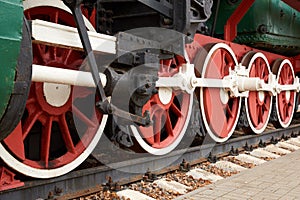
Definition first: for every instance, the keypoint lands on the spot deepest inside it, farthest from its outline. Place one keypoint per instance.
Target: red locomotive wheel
(219, 110)
(46, 143)
(170, 111)
(285, 100)
(258, 104)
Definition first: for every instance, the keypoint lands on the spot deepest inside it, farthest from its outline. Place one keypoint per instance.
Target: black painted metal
(17, 102)
(87, 178)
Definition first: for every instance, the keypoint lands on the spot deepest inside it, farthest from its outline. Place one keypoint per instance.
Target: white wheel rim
(202, 107)
(253, 58)
(288, 93)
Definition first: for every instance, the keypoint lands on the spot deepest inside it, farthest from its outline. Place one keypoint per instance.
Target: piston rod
(64, 76)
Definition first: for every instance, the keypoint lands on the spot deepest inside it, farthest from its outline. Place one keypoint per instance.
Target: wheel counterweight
(219, 110)
(46, 142)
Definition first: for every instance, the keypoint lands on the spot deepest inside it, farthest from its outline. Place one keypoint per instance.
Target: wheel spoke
(28, 15)
(228, 111)
(260, 115)
(265, 107)
(284, 73)
(84, 118)
(157, 128)
(168, 126)
(286, 111)
(42, 52)
(45, 141)
(264, 72)
(29, 122)
(54, 53)
(256, 67)
(176, 110)
(66, 56)
(66, 134)
(255, 118)
(81, 92)
(223, 63)
(54, 17)
(30, 101)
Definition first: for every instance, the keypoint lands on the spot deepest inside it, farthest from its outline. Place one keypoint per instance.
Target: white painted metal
(56, 94)
(224, 96)
(48, 74)
(165, 95)
(65, 36)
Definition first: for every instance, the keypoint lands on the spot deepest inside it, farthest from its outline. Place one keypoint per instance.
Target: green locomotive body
(11, 21)
(271, 25)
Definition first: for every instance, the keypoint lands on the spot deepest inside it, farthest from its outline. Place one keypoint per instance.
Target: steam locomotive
(74, 68)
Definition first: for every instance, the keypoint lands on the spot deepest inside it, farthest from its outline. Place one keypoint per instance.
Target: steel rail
(80, 180)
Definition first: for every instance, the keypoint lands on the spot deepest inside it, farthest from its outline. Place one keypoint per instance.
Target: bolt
(58, 190)
(50, 195)
(263, 29)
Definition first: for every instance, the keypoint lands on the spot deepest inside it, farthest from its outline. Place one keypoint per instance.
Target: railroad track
(91, 179)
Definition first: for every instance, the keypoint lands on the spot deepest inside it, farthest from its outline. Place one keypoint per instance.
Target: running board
(67, 37)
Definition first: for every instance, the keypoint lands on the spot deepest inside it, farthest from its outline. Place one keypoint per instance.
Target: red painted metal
(293, 3)
(7, 180)
(46, 137)
(259, 109)
(201, 41)
(285, 105)
(168, 119)
(230, 29)
(296, 64)
(220, 116)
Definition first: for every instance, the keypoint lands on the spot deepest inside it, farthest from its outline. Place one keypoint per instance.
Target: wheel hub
(287, 95)
(56, 95)
(165, 95)
(261, 97)
(224, 96)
